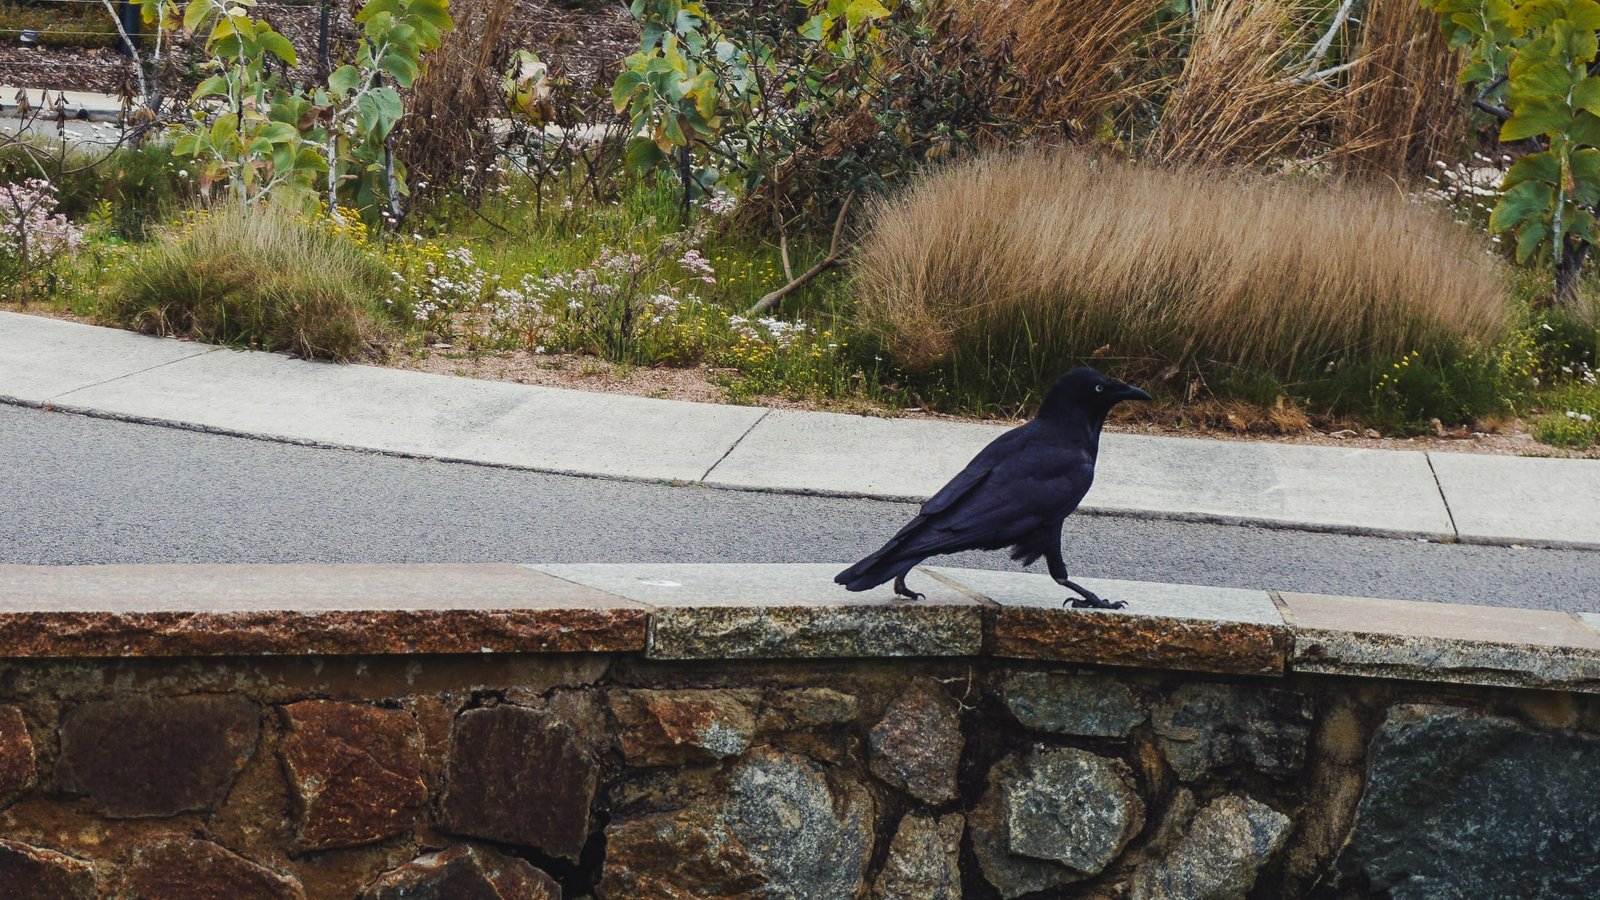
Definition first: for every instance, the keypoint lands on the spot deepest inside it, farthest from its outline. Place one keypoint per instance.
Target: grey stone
(1459, 804)
(1088, 705)
(924, 860)
(1451, 642)
(731, 611)
(1206, 726)
(807, 840)
(1219, 855)
(1052, 816)
(917, 744)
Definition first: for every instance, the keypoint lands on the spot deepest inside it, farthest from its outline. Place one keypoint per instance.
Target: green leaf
(343, 80)
(279, 46)
(858, 11)
(1528, 201)
(223, 128)
(1543, 167)
(195, 15)
(1536, 117)
(211, 87)
(401, 67)
(1585, 129)
(1529, 238)
(642, 155)
(1585, 168)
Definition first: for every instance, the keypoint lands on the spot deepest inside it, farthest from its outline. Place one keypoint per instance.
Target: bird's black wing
(1019, 484)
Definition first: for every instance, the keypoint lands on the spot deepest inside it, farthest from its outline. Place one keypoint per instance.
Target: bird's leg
(903, 591)
(1086, 598)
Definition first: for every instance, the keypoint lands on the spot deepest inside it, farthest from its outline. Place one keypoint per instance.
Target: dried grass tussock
(1242, 97)
(1035, 260)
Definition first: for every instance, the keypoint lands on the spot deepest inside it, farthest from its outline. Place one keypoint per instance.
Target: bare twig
(1320, 48)
(783, 241)
(834, 257)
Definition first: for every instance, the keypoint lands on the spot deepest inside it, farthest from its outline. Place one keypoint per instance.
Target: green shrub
(996, 275)
(259, 277)
(143, 184)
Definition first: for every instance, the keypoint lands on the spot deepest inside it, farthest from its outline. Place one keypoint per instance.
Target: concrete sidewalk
(117, 374)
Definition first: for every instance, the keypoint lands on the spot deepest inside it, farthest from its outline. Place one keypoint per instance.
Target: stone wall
(1198, 748)
(610, 776)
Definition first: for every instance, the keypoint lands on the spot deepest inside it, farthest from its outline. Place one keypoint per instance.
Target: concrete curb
(776, 611)
(108, 373)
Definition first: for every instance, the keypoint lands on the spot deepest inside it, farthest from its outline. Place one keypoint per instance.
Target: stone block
(178, 866)
(1463, 804)
(664, 728)
(464, 872)
(1449, 642)
(917, 745)
(805, 708)
(731, 611)
(354, 771)
(156, 756)
(224, 610)
(1080, 704)
(1052, 816)
(1165, 626)
(1205, 726)
(806, 837)
(686, 854)
(924, 860)
(1222, 850)
(16, 754)
(35, 873)
(519, 776)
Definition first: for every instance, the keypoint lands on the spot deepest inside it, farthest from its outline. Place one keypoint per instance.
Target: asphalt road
(76, 490)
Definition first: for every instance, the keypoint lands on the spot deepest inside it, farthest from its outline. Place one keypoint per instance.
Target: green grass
(256, 278)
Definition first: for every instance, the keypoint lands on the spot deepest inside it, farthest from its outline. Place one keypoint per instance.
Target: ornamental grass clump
(259, 277)
(1001, 272)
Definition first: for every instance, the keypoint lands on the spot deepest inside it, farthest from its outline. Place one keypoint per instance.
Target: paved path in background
(116, 374)
(86, 490)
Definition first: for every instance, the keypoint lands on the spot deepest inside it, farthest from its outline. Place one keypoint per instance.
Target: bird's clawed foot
(1092, 601)
(1086, 598)
(903, 591)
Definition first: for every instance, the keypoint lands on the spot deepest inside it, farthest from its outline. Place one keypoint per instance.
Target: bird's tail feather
(881, 566)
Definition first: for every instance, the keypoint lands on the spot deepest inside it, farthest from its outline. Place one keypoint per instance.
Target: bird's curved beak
(1129, 392)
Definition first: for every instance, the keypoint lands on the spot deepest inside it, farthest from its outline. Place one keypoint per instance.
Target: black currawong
(1016, 493)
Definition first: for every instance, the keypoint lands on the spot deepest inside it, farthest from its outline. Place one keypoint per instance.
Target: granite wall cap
(214, 610)
(1450, 642)
(1164, 626)
(737, 611)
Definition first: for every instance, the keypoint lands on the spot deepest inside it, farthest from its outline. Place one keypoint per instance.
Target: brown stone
(924, 860)
(34, 873)
(144, 756)
(663, 728)
(96, 611)
(200, 870)
(519, 776)
(355, 772)
(16, 754)
(917, 744)
(812, 707)
(464, 872)
(1156, 642)
(683, 855)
